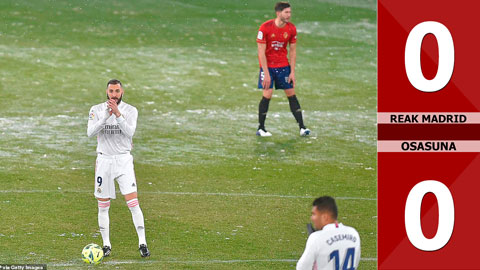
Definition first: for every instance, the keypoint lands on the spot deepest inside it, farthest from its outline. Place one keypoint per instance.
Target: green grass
(190, 67)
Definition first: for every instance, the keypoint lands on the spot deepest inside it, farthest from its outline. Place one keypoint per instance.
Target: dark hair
(326, 203)
(280, 6)
(114, 81)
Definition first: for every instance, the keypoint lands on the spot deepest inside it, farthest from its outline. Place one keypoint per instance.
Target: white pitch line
(195, 194)
(193, 262)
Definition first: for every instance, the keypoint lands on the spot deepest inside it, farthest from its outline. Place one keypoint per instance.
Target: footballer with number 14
(272, 39)
(114, 122)
(333, 245)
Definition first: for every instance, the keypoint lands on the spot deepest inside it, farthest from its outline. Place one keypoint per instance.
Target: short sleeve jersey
(277, 40)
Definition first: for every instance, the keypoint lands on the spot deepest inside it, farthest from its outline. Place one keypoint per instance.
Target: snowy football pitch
(213, 194)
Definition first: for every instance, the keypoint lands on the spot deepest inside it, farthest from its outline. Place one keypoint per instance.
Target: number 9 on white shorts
(111, 168)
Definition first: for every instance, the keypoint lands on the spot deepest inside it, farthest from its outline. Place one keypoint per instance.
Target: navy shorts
(277, 75)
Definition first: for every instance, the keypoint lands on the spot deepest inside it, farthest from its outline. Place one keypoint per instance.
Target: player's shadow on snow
(277, 148)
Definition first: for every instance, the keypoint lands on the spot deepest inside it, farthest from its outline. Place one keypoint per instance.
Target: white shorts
(111, 168)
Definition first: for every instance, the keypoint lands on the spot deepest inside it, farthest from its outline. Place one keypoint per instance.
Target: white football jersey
(334, 247)
(114, 134)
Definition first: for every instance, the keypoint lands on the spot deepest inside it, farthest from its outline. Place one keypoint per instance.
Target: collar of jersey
(331, 226)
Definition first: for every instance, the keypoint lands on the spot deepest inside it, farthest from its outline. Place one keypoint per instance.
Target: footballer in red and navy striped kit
(273, 37)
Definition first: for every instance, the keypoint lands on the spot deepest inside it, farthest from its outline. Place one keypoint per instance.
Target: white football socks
(138, 221)
(104, 221)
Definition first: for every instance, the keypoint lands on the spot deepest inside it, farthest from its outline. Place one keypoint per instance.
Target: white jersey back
(334, 247)
(114, 134)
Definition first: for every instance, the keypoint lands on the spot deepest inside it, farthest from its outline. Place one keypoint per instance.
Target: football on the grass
(92, 254)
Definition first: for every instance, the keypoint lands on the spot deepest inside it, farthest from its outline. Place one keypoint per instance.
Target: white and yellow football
(92, 254)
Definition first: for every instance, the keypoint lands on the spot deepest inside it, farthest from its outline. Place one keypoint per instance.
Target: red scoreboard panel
(428, 134)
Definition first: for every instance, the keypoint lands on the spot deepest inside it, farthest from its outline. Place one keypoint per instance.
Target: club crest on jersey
(273, 35)
(91, 116)
(285, 35)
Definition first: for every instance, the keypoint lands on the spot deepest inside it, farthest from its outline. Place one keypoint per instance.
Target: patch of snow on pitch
(367, 4)
(359, 31)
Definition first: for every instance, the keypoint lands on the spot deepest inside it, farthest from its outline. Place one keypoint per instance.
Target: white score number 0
(446, 209)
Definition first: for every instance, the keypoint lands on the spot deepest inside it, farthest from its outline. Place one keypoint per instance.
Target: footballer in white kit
(114, 122)
(333, 247)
